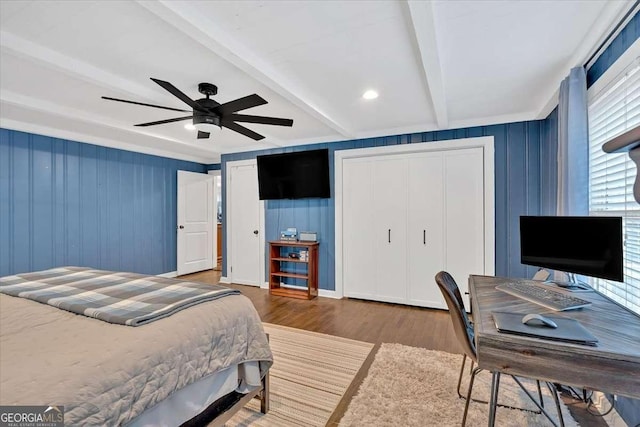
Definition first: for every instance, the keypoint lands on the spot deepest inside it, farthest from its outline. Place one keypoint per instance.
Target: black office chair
(464, 332)
(470, 332)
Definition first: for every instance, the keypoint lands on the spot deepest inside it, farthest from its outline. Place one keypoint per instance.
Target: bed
(161, 373)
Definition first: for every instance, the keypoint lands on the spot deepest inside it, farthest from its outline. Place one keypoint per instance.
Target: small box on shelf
(289, 235)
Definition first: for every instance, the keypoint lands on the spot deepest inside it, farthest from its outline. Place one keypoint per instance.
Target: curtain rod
(632, 10)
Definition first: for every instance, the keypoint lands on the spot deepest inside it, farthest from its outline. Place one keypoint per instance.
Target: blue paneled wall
(68, 203)
(517, 180)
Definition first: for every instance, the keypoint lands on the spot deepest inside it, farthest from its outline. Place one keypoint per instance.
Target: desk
(613, 366)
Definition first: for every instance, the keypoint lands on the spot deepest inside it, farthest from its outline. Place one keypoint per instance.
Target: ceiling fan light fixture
(370, 94)
(207, 123)
(207, 127)
(208, 115)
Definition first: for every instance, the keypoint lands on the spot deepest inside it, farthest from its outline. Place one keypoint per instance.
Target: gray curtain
(573, 145)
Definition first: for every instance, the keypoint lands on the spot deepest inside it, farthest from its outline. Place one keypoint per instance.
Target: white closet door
(464, 210)
(425, 230)
(390, 231)
(358, 224)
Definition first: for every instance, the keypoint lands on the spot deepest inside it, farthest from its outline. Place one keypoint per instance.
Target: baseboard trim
(170, 274)
(613, 418)
(225, 280)
(325, 293)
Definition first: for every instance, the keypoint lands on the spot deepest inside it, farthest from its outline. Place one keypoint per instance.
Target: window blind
(613, 111)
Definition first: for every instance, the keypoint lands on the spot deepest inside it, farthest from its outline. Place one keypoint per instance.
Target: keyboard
(542, 295)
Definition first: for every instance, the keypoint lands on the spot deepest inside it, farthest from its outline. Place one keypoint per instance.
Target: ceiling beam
(123, 137)
(423, 31)
(186, 19)
(43, 106)
(73, 67)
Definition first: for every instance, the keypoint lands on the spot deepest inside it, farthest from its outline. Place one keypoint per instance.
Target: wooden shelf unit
(276, 273)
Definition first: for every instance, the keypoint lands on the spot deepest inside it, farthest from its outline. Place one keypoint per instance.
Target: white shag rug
(409, 386)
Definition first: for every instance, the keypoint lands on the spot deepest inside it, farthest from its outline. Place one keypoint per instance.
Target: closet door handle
(389, 235)
(424, 237)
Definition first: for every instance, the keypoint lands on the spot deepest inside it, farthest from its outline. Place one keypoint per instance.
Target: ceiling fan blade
(178, 94)
(142, 103)
(239, 104)
(259, 119)
(203, 135)
(161, 122)
(241, 129)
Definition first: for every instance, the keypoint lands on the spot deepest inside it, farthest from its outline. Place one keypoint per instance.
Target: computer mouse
(538, 320)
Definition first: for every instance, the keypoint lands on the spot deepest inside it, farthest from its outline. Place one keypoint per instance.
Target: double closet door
(408, 216)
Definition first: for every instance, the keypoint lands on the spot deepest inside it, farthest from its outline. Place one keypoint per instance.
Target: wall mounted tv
(298, 175)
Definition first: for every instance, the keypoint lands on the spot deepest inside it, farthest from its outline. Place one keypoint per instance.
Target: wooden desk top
(613, 366)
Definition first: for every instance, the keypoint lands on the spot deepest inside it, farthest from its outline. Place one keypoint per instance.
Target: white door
(358, 271)
(464, 206)
(389, 210)
(196, 222)
(245, 263)
(217, 200)
(425, 231)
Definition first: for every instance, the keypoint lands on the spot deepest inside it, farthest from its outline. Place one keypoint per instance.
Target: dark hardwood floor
(368, 321)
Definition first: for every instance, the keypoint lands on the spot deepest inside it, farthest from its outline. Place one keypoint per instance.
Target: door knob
(181, 227)
(255, 231)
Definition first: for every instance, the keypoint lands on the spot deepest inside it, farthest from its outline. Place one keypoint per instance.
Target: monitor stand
(573, 284)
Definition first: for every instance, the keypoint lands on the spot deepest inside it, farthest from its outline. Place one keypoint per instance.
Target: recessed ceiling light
(189, 126)
(370, 94)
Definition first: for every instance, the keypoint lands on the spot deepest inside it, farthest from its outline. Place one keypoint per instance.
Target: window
(613, 111)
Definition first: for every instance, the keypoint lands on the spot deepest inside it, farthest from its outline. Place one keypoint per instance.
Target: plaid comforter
(122, 298)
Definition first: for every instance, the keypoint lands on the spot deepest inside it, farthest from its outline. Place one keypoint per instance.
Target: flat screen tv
(588, 245)
(298, 175)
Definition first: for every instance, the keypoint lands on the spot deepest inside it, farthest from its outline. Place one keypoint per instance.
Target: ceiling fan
(209, 115)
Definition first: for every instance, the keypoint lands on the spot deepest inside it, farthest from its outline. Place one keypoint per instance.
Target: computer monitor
(587, 245)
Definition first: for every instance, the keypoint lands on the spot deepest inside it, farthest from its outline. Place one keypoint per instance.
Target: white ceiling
(436, 65)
